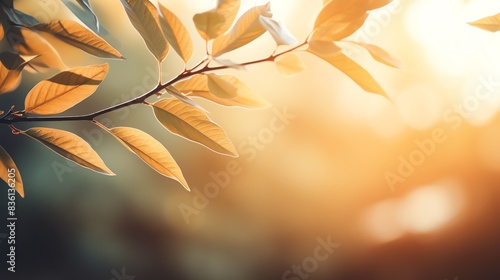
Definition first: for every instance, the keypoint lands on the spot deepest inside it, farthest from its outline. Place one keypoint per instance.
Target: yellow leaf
(215, 22)
(335, 29)
(64, 90)
(145, 19)
(380, 55)
(341, 11)
(246, 29)
(325, 48)
(26, 42)
(491, 23)
(70, 146)
(192, 123)
(150, 151)
(11, 66)
(375, 4)
(2, 33)
(198, 86)
(222, 88)
(176, 33)
(357, 73)
(78, 36)
(289, 64)
(7, 166)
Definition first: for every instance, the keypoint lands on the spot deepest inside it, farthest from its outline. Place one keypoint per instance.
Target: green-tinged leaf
(78, 36)
(27, 42)
(145, 19)
(7, 166)
(289, 64)
(245, 97)
(334, 29)
(278, 30)
(150, 151)
(84, 12)
(380, 55)
(64, 90)
(222, 88)
(70, 146)
(176, 34)
(11, 66)
(324, 48)
(357, 73)
(215, 22)
(491, 23)
(192, 123)
(19, 18)
(246, 29)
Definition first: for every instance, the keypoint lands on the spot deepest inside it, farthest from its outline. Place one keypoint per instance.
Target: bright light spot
(380, 221)
(427, 209)
(422, 211)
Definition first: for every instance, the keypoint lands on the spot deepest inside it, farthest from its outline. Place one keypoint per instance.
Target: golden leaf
(150, 151)
(198, 86)
(325, 48)
(27, 42)
(70, 146)
(11, 66)
(2, 32)
(380, 55)
(289, 64)
(64, 90)
(7, 166)
(357, 73)
(192, 123)
(222, 88)
(491, 23)
(176, 33)
(145, 19)
(246, 29)
(78, 36)
(334, 29)
(215, 22)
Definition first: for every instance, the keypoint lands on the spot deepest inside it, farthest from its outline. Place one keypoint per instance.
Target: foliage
(162, 31)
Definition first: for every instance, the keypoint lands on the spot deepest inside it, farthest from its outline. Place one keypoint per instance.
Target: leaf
(220, 87)
(84, 12)
(177, 94)
(324, 48)
(11, 66)
(198, 86)
(7, 164)
(246, 29)
(491, 23)
(215, 22)
(26, 42)
(64, 90)
(375, 4)
(78, 36)
(176, 33)
(229, 63)
(2, 32)
(346, 11)
(192, 123)
(289, 64)
(335, 29)
(150, 151)
(145, 19)
(357, 73)
(70, 146)
(380, 55)
(19, 18)
(278, 30)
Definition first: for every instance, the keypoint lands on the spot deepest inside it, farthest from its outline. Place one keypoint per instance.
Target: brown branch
(15, 117)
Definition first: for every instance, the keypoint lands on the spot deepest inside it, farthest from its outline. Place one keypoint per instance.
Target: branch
(19, 117)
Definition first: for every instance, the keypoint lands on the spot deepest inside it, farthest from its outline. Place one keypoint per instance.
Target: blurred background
(409, 187)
